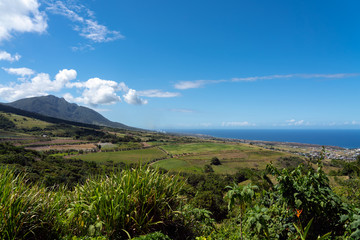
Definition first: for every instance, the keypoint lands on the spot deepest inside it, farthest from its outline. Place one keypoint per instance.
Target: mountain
(59, 108)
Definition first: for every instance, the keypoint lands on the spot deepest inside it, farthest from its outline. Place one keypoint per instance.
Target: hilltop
(55, 107)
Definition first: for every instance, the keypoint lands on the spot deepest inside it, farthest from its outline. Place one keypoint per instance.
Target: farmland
(130, 156)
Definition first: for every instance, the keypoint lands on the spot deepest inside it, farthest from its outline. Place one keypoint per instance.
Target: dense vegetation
(87, 200)
(218, 191)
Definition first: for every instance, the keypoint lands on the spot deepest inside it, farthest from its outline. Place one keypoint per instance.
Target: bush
(215, 161)
(153, 236)
(308, 191)
(208, 169)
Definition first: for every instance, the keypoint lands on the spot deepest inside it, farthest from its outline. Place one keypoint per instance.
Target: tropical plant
(134, 201)
(243, 196)
(308, 189)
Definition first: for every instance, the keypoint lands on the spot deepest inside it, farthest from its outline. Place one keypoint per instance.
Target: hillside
(59, 108)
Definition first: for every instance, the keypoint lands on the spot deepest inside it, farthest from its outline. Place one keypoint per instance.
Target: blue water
(341, 138)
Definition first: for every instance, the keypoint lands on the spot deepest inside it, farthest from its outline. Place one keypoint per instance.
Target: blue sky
(188, 64)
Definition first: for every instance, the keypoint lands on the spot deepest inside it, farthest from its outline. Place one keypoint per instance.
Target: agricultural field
(233, 156)
(193, 148)
(130, 156)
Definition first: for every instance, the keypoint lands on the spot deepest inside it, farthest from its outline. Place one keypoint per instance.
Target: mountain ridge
(56, 107)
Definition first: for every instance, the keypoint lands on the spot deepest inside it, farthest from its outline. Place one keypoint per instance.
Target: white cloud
(20, 71)
(293, 122)
(131, 97)
(158, 93)
(21, 16)
(98, 33)
(237, 124)
(39, 85)
(8, 57)
(183, 85)
(195, 84)
(355, 123)
(87, 26)
(83, 47)
(97, 91)
(270, 77)
(63, 78)
(93, 92)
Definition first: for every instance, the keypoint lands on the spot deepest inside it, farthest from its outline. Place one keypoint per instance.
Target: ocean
(334, 137)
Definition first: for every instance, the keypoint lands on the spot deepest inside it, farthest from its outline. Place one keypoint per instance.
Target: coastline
(195, 133)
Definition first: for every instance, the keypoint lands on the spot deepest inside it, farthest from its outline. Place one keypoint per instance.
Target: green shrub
(153, 236)
(208, 169)
(215, 161)
(307, 190)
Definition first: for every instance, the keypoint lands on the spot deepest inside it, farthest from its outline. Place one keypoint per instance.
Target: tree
(215, 161)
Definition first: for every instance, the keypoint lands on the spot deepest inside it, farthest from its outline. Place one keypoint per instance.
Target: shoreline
(269, 143)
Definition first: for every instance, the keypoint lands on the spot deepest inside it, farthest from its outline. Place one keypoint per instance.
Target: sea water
(345, 138)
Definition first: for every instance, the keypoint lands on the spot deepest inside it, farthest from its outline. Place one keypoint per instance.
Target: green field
(131, 156)
(25, 122)
(193, 157)
(205, 147)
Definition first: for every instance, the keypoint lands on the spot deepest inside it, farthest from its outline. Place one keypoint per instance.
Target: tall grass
(127, 203)
(132, 201)
(20, 206)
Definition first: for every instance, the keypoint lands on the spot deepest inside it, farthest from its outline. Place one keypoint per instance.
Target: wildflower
(298, 212)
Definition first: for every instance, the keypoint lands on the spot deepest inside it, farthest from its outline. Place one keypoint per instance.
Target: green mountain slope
(59, 108)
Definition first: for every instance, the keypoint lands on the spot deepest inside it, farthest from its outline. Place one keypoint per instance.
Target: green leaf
(355, 235)
(306, 230)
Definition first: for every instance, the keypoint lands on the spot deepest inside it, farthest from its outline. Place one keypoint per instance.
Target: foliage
(131, 202)
(243, 196)
(208, 169)
(135, 201)
(6, 123)
(25, 211)
(207, 192)
(308, 190)
(352, 224)
(198, 220)
(153, 236)
(290, 162)
(215, 161)
(49, 170)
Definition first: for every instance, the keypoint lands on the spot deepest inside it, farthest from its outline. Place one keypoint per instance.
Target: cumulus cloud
(158, 93)
(131, 97)
(93, 92)
(63, 78)
(21, 16)
(237, 124)
(96, 91)
(39, 85)
(8, 57)
(20, 71)
(86, 24)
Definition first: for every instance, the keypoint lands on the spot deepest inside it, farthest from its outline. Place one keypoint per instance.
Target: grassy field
(131, 156)
(193, 157)
(25, 122)
(204, 147)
